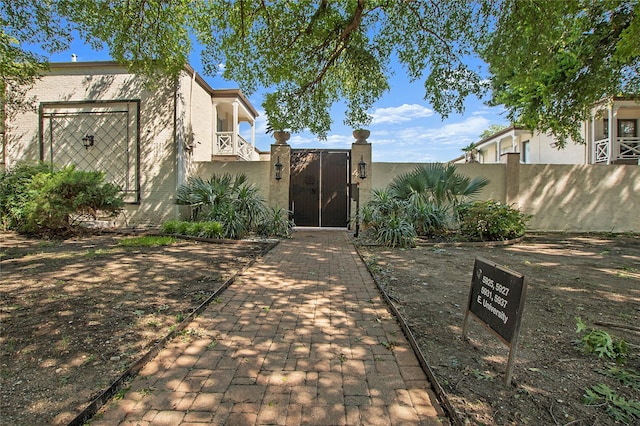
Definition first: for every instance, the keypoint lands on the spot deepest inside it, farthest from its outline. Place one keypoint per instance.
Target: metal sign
(496, 300)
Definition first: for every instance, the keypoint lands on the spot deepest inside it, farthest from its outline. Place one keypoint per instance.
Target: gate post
(279, 188)
(361, 152)
(512, 180)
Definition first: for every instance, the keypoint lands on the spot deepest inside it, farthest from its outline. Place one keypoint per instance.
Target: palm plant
(437, 184)
(227, 199)
(249, 204)
(421, 202)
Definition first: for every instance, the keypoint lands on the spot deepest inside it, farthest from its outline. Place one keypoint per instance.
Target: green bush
(55, 201)
(422, 202)
(227, 199)
(490, 221)
(14, 194)
(386, 219)
(429, 219)
(396, 232)
(195, 229)
(182, 228)
(206, 229)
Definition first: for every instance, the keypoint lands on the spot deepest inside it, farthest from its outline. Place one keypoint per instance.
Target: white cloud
(427, 144)
(400, 114)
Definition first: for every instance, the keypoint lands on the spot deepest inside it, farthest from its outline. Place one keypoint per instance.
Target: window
(605, 128)
(525, 152)
(627, 129)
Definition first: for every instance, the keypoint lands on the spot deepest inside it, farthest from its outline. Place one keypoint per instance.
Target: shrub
(276, 223)
(195, 228)
(396, 232)
(182, 228)
(227, 199)
(436, 184)
(14, 194)
(206, 229)
(490, 221)
(429, 219)
(55, 201)
(422, 202)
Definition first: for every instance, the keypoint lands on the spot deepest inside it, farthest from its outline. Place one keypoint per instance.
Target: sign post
(496, 300)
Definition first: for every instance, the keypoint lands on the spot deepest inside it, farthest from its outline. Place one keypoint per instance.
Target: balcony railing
(623, 148)
(224, 146)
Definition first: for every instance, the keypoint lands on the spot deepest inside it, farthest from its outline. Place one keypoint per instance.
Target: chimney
(74, 57)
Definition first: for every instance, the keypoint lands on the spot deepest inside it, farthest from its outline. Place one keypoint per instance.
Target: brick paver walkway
(303, 337)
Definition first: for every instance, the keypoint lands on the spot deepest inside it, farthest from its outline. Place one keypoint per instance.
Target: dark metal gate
(318, 192)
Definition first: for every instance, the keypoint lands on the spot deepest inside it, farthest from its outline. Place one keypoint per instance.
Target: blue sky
(404, 128)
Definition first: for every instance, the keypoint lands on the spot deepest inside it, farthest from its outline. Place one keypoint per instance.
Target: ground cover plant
(579, 352)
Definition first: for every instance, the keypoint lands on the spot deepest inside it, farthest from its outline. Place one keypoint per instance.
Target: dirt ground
(75, 313)
(596, 278)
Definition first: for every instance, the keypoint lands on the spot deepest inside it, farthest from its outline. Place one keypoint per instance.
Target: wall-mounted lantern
(87, 141)
(362, 168)
(278, 167)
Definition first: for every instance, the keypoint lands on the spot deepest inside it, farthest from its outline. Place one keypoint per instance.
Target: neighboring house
(99, 116)
(619, 117)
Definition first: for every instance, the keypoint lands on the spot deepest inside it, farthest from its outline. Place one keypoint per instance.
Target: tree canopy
(548, 61)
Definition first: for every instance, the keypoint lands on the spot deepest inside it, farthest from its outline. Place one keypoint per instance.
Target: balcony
(624, 150)
(229, 144)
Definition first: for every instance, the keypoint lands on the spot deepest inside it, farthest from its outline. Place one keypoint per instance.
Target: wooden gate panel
(334, 189)
(318, 192)
(305, 188)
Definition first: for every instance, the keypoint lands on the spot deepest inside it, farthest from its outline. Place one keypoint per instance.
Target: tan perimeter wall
(570, 198)
(581, 198)
(257, 172)
(383, 173)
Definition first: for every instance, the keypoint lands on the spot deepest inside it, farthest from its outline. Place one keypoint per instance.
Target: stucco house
(99, 116)
(611, 137)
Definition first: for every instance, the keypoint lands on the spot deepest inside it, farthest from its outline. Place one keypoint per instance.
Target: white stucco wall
(543, 151)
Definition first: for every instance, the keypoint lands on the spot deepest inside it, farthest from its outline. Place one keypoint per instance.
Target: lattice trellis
(114, 150)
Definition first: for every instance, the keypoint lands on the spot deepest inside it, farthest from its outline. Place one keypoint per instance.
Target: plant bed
(76, 313)
(594, 277)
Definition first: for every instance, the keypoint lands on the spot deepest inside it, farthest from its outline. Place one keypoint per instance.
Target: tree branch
(341, 45)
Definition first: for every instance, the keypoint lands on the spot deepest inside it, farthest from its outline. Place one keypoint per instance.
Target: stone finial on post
(281, 137)
(361, 135)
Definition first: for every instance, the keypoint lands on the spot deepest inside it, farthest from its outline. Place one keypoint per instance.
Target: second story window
(627, 128)
(525, 156)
